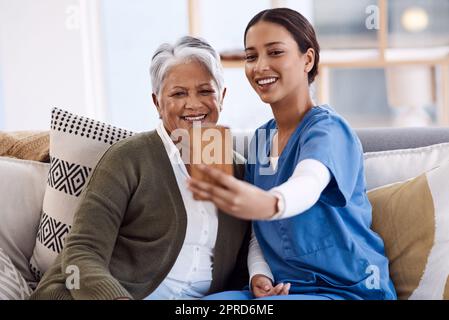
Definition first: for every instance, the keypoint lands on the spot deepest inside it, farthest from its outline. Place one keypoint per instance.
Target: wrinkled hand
(233, 196)
(263, 287)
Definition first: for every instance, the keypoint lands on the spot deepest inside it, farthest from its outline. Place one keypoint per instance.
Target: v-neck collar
(273, 130)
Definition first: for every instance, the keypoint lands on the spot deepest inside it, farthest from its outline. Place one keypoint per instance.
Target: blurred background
(383, 62)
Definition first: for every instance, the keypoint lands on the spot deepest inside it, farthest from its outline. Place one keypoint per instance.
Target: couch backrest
(373, 139)
(382, 139)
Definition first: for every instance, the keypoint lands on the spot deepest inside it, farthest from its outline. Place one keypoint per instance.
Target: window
(132, 30)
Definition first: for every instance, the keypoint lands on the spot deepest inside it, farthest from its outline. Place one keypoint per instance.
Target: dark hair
(298, 26)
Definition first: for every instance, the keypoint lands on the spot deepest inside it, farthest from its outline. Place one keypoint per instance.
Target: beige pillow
(413, 219)
(27, 145)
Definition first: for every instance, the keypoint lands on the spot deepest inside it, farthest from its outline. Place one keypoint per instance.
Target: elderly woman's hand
(233, 196)
(262, 286)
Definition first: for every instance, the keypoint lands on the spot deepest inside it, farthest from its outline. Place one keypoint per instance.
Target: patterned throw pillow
(12, 284)
(413, 219)
(76, 145)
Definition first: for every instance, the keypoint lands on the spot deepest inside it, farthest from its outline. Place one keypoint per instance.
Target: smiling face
(275, 66)
(188, 94)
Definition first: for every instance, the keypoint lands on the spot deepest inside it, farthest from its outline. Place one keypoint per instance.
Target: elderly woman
(138, 233)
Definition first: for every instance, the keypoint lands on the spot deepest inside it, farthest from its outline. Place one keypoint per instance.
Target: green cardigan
(130, 226)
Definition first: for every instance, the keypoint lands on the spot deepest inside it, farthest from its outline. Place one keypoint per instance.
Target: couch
(414, 147)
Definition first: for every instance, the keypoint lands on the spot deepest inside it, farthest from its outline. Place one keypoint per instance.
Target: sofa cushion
(12, 285)
(412, 217)
(386, 167)
(22, 188)
(76, 145)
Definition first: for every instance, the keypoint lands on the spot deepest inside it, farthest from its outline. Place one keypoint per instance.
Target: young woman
(305, 186)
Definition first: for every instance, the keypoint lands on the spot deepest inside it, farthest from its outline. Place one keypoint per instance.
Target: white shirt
(191, 275)
(299, 193)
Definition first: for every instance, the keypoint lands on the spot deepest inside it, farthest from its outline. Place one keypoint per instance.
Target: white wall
(43, 62)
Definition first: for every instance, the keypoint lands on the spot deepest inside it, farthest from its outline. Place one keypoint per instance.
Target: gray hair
(185, 49)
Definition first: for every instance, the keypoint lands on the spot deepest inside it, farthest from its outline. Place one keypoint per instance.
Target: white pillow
(386, 167)
(76, 145)
(12, 285)
(22, 188)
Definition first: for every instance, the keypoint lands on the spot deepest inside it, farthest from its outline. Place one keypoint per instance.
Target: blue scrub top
(330, 248)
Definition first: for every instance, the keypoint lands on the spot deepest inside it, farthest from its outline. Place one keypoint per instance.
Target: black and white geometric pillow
(76, 145)
(12, 284)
